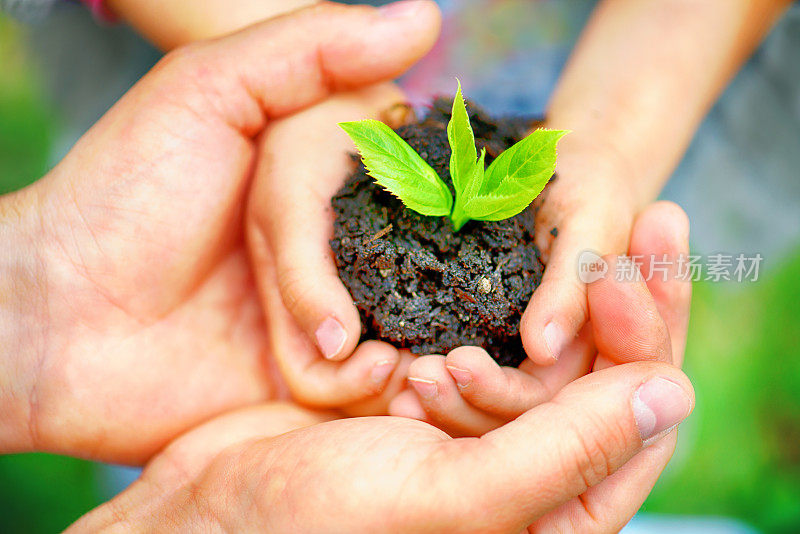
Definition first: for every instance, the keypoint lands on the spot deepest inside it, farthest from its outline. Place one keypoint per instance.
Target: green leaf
(462, 144)
(471, 188)
(528, 164)
(477, 177)
(493, 207)
(516, 177)
(398, 168)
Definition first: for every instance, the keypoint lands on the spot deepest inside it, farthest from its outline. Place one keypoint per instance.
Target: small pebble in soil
(484, 285)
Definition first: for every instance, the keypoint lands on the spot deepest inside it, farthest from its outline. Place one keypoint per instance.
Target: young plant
(513, 180)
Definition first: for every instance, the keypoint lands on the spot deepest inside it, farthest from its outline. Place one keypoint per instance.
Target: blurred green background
(739, 455)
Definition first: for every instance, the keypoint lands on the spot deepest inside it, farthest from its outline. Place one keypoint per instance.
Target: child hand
(467, 393)
(313, 325)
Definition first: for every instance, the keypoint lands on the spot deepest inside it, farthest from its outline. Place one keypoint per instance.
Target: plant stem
(458, 217)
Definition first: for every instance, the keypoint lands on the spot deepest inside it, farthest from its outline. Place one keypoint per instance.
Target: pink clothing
(99, 9)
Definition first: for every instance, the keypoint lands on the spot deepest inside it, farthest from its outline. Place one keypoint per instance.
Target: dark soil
(417, 283)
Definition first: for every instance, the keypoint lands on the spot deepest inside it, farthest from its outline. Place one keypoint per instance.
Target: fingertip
(659, 405)
(383, 361)
(334, 340)
(396, 36)
(330, 336)
(557, 311)
(424, 15)
(666, 218)
(464, 363)
(424, 374)
(406, 404)
(555, 338)
(441, 398)
(543, 341)
(430, 379)
(462, 377)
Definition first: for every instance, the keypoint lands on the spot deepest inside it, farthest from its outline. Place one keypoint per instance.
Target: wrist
(23, 320)
(148, 506)
(590, 166)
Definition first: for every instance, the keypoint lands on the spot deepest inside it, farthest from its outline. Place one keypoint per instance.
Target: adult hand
(582, 461)
(303, 160)
(128, 313)
(576, 463)
(467, 393)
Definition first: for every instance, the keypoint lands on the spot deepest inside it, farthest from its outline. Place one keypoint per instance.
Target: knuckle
(313, 397)
(179, 59)
(528, 392)
(653, 342)
(294, 286)
(593, 453)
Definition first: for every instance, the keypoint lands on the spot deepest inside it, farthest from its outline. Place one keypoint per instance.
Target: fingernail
(331, 336)
(381, 371)
(658, 405)
(425, 388)
(462, 377)
(406, 8)
(555, 338)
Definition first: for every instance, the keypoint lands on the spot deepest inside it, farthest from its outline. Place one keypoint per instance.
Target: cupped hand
(313, 325)
(582, 462)
(131, 314)
(589, 206)
(467, 393)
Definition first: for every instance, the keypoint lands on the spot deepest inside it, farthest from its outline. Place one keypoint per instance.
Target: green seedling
(513, 180)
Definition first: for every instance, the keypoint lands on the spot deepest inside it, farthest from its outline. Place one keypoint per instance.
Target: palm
(156, 323)
(319, 460)
(137, 382)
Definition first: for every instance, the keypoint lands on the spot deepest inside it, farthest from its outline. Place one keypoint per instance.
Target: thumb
(295, 60)
(161, 177)
(625, 320)
(559, 449)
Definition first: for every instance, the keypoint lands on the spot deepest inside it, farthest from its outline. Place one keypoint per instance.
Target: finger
(380, 404)
(625, 320)
(290, 62)
(611, 504)
(558, 308)
(585, 434)
(311, 379)
(305, 159)
(407, 404)
(632, 319)
(439, 397)
(661, 238)
(216, 95)
(505, 392)
(169, 25)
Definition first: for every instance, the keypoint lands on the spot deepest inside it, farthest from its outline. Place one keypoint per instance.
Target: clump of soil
(417, 283)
